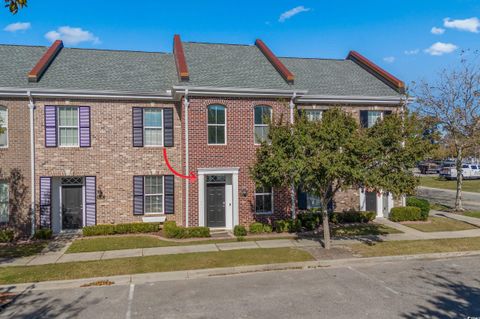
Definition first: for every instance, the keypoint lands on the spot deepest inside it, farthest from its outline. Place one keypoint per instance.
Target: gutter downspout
(31, 106)
(187, 182)
(292, 187)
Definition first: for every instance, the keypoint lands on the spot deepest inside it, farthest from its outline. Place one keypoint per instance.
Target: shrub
(171, 230)
(239, 231)
(267, 228)
(423, 204)
(310, 220)
(352, 217)
(6, 235)
(256, 228)
(280, 226)
(294, 226)
(407, 213)
(44, 233)
(131, 228)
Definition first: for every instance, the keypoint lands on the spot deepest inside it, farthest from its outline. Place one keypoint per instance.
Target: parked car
(429, 167)
(469, 171)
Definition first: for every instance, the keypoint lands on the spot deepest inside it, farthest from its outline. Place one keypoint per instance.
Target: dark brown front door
(216, 205)
(72, 209)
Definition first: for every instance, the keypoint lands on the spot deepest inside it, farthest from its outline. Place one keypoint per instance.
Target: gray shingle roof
(210, 65)
(335, 77)
(227, 65)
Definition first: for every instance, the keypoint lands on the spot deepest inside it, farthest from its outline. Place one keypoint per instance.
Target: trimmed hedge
(240, 231)
(259, 228)
(131, 228)
(407, 213)
(6, 235)
(423, 204)
(287, 225)
(44, 233)
(171, 230)
(352, 217)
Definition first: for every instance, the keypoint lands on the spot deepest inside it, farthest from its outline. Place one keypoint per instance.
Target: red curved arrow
(192, 177)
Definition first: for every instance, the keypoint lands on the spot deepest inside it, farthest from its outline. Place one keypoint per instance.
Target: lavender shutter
(50, 126)
(45, 201)
(90, 200)
(138, 195)
(169, 183)
(84, 114)
(137, 121)
(168, 127)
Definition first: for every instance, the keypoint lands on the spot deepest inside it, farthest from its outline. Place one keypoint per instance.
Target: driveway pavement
(443, 288)
(471, 200)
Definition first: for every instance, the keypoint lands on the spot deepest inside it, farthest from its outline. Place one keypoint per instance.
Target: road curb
(227, 271)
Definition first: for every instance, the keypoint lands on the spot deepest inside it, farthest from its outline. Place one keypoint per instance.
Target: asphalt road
(447, 197)
(448, 288)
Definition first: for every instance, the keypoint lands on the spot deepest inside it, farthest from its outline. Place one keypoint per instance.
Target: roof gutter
(330, 99)
(85, 94)
(179, 91)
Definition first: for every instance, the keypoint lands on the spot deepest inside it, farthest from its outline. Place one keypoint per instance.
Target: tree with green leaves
(15, 5)
(334, 154)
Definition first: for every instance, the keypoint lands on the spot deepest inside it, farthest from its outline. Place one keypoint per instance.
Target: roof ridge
(119, 50)
(23, 45)
(307, 58)
(219, 43)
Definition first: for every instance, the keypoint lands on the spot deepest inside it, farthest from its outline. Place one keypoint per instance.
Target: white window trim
(260, 125)
(8, 199)
(224, 125)
(271, 198)
(145, 195)
(68, 126)
(153, 127)
(5, 125)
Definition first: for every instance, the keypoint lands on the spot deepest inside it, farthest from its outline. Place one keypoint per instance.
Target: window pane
(261, 134)
(153, 185)
(3, 192)
(263, 203)
(152, 117)
(212, 135)
(313, 115)
(3, 125)
(68, 136)
(220, 134)
(220, 115)
(313, 201)
(3, 138)
(3, 212)
(153, 137)
(373, 117)
(68, 116)
(154, 204)
(211, 115)
(262, 113)
(3, 202)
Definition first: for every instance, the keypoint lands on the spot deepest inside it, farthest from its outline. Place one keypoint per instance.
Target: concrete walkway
(471, 220)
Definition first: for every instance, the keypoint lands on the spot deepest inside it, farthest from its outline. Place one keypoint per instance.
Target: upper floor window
(263, 200)
(3, 202)
(369, 118)
(216, 124)
(153, 195)
(3, 126)
(153, 127)
(263, 115)
(68, 126)
(313, 115)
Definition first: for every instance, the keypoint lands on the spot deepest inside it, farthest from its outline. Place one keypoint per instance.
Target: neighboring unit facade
(86, 132)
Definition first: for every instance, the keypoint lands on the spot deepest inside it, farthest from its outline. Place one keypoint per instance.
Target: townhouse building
(109, 136)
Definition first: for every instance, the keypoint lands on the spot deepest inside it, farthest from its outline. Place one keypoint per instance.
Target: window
(373, 117)
(263, 114)
(263, 200)
(68, 126)
(3, 202)
(153, 127)
(216, 124)
(153, 194)
(313, 201)
(4, 126)
(313, 115)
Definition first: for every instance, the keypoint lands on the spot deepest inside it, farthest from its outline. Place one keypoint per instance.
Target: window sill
(263, 213)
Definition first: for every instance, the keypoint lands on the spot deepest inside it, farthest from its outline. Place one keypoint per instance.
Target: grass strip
(440, 224)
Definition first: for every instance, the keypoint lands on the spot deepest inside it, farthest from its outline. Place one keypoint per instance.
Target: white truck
(469, 171)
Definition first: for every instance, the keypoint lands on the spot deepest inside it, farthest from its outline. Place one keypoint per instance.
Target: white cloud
(411, 52)
(18, 26)
(71, 35)
(440, 48)
(290, 13)
(437, 31)
(389, 59)
(470, 24)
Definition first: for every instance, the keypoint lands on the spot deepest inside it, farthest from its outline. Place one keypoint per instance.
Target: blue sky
(394, 35)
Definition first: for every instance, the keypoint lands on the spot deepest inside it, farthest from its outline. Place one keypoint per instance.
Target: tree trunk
(326, 228)
(293, 197)
(458, 196)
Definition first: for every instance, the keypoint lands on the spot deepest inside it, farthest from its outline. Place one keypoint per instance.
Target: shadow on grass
(21, 250)
(37, 304)
(452, 299)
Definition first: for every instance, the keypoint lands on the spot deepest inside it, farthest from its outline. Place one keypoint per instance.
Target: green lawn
(472, 214)
(363, 230)
(411, 247)
(22, 250)
(435, 182)
(440, 224)
(123, 266)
